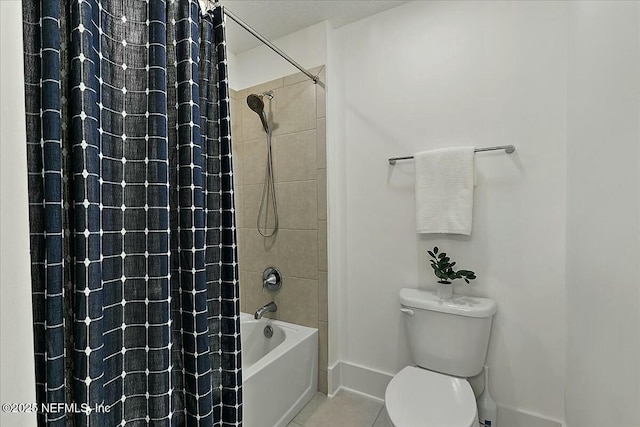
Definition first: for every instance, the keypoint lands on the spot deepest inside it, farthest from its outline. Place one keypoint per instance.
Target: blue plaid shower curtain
(133, 240)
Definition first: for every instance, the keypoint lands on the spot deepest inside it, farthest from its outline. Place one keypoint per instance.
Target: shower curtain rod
(266, 42)
(507, 149)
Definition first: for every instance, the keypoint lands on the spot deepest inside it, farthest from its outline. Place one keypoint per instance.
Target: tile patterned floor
(345, 409)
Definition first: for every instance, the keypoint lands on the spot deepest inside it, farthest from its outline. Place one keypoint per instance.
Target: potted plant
(443, 269)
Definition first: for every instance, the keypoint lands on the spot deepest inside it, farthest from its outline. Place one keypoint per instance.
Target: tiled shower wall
(299, 248)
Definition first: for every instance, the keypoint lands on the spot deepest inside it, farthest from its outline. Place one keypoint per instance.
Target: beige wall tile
(254, 160)
(297, 204)
(250, 205)
(295, 78)
(323, 306)
(321, 143)
(241, 96)
(299, 151)
(296, 301)
(237, 151)
(294, 156)
(251, 196)
(243, 291)
(236, 120)
(322, 194)
(320, 94)
(323, 334)
(322, 245)
(239, 205)
(241, 246)
(295, 108)
(322, 381)
(298, 253)
(259, 252)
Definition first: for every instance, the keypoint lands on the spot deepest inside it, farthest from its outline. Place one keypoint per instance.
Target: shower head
(255, 102)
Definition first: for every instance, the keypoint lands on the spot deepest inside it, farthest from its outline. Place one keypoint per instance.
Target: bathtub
(279, 374)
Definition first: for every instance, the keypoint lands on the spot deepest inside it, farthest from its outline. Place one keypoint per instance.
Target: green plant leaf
(443, 267)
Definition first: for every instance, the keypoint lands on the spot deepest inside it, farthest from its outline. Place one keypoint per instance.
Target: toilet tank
(448, 336)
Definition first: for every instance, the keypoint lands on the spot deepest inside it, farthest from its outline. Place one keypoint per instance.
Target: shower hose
(268, 189)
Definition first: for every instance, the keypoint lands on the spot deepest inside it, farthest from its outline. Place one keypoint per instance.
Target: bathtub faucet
(268, 308)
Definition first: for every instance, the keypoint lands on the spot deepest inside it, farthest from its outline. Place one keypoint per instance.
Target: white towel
(444, 190)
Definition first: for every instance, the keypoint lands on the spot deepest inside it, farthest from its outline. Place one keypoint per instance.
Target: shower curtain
(133, 241)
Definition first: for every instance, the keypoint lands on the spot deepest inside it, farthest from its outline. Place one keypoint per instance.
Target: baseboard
(515, 417)
(372, 383)
(333, 379)
(359, 393)
(360, 379)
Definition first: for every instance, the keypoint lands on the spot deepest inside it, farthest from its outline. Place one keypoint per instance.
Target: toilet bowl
(416, 397)
(448, 340)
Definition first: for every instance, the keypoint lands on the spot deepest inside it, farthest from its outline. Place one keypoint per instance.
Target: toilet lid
(417, 397)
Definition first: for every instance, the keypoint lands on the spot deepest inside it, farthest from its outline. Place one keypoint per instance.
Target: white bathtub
(279, 374)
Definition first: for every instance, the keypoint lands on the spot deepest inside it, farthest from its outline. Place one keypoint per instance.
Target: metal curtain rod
(269, 44)
(507, 148)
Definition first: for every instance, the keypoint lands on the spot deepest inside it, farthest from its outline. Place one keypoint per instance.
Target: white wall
(435, 74)
(16, 330)
(603, 215)
(308, 47)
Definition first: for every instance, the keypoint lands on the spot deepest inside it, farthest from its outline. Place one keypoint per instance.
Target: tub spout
(268, 308)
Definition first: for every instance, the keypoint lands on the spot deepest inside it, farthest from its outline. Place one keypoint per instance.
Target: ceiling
(277, 18)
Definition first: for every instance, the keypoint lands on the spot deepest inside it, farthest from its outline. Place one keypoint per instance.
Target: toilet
(448, 340)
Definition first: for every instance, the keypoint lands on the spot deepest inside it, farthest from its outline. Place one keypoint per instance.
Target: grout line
(297, 132)
(276, 135)
(378, 416)
(290, 277)
(282, 182)
(287, 229)
(253, 140)
(294, 181)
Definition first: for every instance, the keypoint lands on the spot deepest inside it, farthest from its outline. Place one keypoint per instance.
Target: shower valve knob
(271, 279)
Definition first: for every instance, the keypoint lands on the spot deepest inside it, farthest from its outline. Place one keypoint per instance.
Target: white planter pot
(444, 290)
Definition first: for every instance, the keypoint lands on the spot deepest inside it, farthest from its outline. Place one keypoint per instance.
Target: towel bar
(507, 149)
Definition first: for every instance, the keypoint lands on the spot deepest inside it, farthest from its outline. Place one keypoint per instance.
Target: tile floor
(345, 409)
